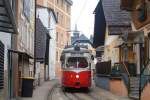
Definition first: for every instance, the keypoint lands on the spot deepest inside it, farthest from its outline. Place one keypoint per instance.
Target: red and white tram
(76, 67)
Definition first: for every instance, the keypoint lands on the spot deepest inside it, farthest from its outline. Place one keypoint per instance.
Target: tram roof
(71, 49)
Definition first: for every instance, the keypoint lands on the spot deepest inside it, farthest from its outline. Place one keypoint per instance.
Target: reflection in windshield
(77, 62)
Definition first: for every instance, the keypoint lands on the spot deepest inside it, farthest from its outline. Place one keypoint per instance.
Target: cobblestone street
(52, 90)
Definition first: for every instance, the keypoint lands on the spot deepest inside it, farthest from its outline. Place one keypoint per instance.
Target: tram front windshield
(77, 62)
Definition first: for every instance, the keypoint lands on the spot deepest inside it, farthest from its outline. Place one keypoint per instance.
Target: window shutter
(1, 65)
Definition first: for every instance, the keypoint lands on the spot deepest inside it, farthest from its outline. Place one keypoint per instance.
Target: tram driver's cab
(76, 62)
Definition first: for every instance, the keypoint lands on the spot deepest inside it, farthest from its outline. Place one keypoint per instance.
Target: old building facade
(18, 18)
(121, 48)
(49, 20)
(8, 31)
(140, 13)
(62, 9)
(25, 38)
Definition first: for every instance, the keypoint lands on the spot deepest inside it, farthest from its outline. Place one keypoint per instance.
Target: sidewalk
(107, 95)
(41, 92)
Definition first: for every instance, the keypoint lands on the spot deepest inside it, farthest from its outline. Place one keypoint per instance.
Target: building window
(56, 55)
(1, 65)
(57, 16)
(27, 8)
(57, 1)
(62, 39)
(68, 9)
(62, 3)
(142, 12)
(49, 19)
(56, 36)
(61, 19)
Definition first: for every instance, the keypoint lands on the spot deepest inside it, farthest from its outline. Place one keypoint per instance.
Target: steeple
(76, 27)
(76, 32)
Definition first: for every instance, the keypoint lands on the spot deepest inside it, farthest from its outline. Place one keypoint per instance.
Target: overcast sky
(82, 15)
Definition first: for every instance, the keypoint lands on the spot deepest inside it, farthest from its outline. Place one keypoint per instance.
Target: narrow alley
(74, 49)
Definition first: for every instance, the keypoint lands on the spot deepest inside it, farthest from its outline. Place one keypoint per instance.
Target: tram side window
(77, 62)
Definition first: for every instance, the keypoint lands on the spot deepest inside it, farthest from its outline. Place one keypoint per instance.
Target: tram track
(50, 94)
(86, 96)
(93, 97)
(56, 93)
(56, 90)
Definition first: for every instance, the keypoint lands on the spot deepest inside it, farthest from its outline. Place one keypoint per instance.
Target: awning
(7, 20)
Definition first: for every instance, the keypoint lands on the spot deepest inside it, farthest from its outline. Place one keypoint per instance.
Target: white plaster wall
(44, 14)
(52, 47)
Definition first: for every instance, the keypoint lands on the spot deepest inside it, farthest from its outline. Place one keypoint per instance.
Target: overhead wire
(81, 11)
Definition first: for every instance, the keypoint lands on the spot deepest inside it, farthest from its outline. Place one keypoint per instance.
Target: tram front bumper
(77, 84)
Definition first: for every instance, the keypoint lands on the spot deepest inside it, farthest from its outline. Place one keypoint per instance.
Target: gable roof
(113, 13)
(118, 21)
(82, 39)
(40, 40)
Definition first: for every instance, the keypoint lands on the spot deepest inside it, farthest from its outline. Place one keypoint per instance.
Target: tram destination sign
(76, 54)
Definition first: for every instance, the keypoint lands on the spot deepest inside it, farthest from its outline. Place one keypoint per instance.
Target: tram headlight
(77, 76)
